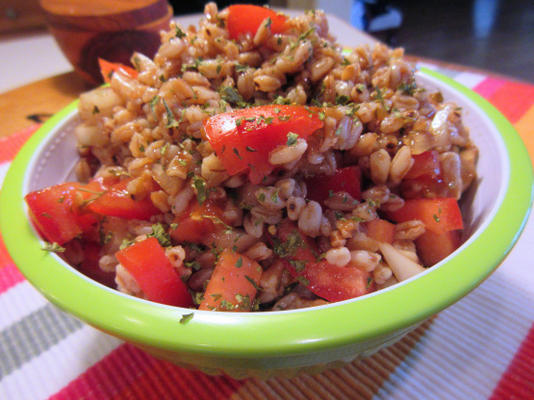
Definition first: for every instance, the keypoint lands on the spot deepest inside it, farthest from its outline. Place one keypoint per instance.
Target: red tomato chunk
(152, 270)
(246, 19)
(243, 139)
(346, 179)
(438, 215)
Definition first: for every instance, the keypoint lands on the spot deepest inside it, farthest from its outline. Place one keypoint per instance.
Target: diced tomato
(424, 179)
(439, 215)
(328, 281)
(243, 139)
(53, 211)
(117, 202)
(346, 179)
(152, 270)
(197, 222)
(233, 284)
(433, 247)
(425, 165)
(245, 18)
(380, 230)
(107, 69)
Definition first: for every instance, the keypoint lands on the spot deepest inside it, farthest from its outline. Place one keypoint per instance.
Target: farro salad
(253, 165)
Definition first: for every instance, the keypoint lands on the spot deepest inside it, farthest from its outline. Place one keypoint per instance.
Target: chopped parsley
(369, 282)
(158, 231)
(179, 33)
(171, 122)
(322, 116)
(407, 88)
(153, 103)
(303, 281)
(252, 282)
(96, 110)
(126, 243)
(380, 98)
(289, 246)
(292, 139)
(241, 67)
(298, 264)
(53, 247)
(237, 153)
(199, 184)
(231, 95)
(186, 318)
(282, 100)
(239, 262)
(193, 265)
(342, 99)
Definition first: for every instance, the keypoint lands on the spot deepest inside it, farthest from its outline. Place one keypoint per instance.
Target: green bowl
(262, 344)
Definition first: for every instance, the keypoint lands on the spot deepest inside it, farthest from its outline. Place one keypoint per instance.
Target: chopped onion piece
(402, 267)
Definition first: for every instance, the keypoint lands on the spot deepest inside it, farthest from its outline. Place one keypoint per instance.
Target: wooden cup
(108, 29)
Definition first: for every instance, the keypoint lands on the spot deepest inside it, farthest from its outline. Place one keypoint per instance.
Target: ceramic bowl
(262, 344)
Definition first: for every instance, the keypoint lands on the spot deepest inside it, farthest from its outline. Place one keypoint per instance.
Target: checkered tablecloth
(481, 347)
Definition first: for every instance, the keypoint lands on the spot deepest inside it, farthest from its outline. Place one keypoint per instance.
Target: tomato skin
(53, 211)
(234, 275)
(117, 202)
(380, 230)
(424, 177)
(245, 18)
(152, 270)
(346, 179)
(107, 69)
(425, 165)
(433, 247)
(192, 224)
(328, 281)
(439, 215)
(244, 145)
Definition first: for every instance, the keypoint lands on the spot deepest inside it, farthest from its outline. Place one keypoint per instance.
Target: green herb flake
(171, 122)
(322, 116)
(52, 247)
(186, 318)
(342, 99)
(164, 148)
(369, 282)
(292, 139)
(252, 282)
(268, 23)
(407, 87)
(231, 95)
(126, 243)
(251, 149)
(237, 153)
(345, 62)
(173, 226)
(303, 281)
(282, 101)
(153, 103)
(96, 110)
(159, 232)
(141, 148)
(239, 262)
(241, 68)
(298, 264)
(61, 199)
(193, 265)
(380, 98)
(199, 184)
(218, 68)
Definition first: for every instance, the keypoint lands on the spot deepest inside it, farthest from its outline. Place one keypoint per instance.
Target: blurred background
(494, 35)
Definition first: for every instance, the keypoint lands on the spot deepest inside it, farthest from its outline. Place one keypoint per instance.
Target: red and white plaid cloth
(481, 347)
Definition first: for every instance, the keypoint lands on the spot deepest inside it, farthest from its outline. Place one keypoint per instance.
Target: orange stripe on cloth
(518, 380)
(10, 145)
(513, 99)
(525, 128)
